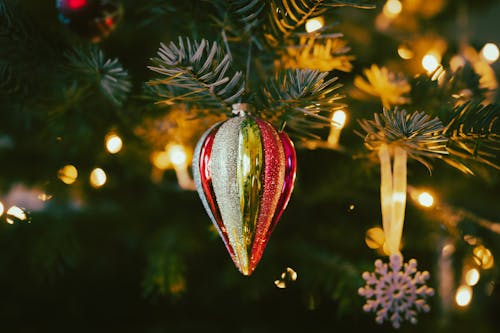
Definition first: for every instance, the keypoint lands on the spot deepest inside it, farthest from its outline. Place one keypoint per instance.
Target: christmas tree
(114, 114)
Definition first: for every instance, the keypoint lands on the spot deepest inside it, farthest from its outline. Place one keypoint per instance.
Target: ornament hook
(241, 109)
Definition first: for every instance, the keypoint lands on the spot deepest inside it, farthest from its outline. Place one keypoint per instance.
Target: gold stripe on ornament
(250, 165)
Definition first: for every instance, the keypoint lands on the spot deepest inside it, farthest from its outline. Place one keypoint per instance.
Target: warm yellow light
(113, 143)
(405, 53)
(392, 8)
(472, 277)
(375, 238)
(98, 177)
(483, 257)
(15, 212)
(68, 174)
(1, 208)
(288, 275)
(160, 159)
(315, 23)
(425, 199)
(430, 62)
(463, 295)
(177, 155)
(490, 52)
(43, 197)
(338, 118)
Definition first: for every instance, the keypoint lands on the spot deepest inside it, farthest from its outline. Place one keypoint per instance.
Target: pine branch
(196, 72)
(417, 133)
(286, 16)
(300, 98)
(95, 70)
(472, 129)
(248, 12)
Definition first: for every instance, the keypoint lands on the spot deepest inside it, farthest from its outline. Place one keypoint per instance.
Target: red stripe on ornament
(272, 178)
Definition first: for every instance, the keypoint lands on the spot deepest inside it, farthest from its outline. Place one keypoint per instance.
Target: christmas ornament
(398, 295)
(244, 172)
(92, 19)
(396, 292)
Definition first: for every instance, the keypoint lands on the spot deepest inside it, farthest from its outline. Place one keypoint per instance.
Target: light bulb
(472, 277)
(430, 62)
(98, 178)
(463, 296)
(1, 208)
(490, 52)
(15, 213)
(405, 53)
(68, 174)
(425, 199)
(315, 23)
(177, 155)
(392, 8)
(113, 143)
(338, 118)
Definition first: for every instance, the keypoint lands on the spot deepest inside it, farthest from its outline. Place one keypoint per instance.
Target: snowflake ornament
(396, 295)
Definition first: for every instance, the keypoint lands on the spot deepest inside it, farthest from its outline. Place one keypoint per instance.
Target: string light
(315, 24)
(1, 208)
(430, 62)
(392, 8)
(98, 178)
(375, 238)
(113, 143)
(463, 296)
(160, 159)
(68, 174)
(339, 118)
(490, 52)
(472, 277)
(483, 257)
(177, 155)
(425, 199)
(15, 212)
(405, 53)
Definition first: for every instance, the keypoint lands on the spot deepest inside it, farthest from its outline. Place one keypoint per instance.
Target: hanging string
(393, 195)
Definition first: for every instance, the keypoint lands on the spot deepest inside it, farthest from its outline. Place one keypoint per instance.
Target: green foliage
(93, 69)
(286, 16)
(300, 99)
(417, 133)
(473, 132)
(196, 72)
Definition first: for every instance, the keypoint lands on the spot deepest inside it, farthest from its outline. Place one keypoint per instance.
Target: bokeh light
(463, 296)
(392, 8)
(425, 199)
(472, 277)
(430, 62)
(68, 174)
(14, 214)
(113, 143)
(98, 178)
(490, 52)
(177, 155)
(315, 23)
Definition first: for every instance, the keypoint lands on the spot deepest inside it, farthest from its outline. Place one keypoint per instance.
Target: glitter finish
(244, 172)
(250, 162)
(289, 181)
(273, 179)
(203, 180)
(223, 167)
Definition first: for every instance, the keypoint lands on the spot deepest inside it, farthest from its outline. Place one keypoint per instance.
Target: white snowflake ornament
(396, 295)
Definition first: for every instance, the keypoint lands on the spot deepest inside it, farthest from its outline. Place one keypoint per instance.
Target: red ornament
(244, 171)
